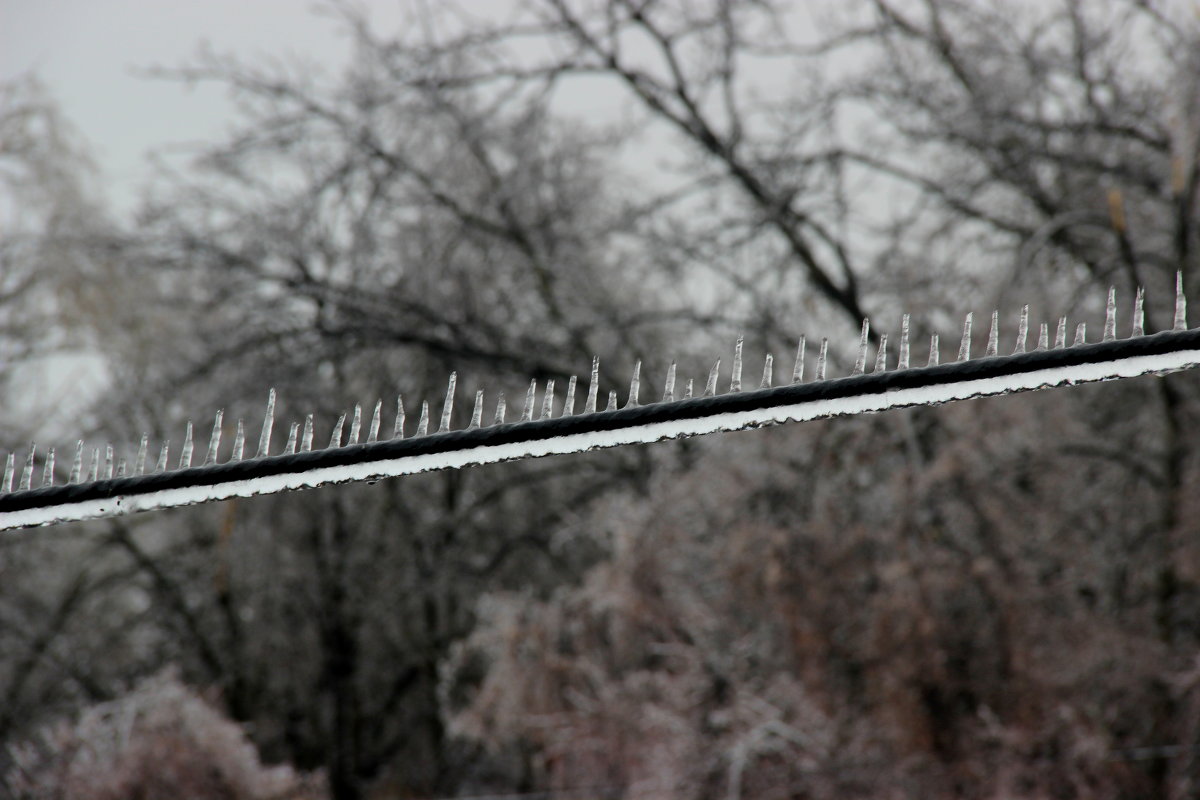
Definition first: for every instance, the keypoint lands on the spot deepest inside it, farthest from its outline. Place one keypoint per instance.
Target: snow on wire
(112, 489)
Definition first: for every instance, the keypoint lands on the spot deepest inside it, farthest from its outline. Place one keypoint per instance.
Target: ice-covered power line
(107, 493)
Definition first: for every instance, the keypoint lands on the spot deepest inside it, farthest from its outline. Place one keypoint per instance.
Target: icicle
(669, 388)
(264, 438)
(500, 409)
(306, 439)
(398, 428)
(1060, 337)
(121, 466)
(1110, 316)
(77, 464)
(423, 422)
(93, 470)
(612, 401)
(527, 411)
(635, 385)
(48, 472)
(964, 347)
(881, 356)
(164, 453)
(710, 388)
(376, 416)
(569, 402)
(108, 462)
(9, 465)
(139, 461)
(185, 455)
(822, 359)
(687, 392)
(1044, 337)
(768, 370)
(448, 405)
(735, 383)
(1022, 331)
(860, 363)
(355, 425)
(993, 345)
(1080, 334)
(798, 370)
(1180, 303)
(935, 355)
(292, 440)
(335, 438)
(27, 473)
(1139, 314)
(239, 442)
(548, 401)
(477, 413)
(589, 406)
(214, 441)
(903, 362)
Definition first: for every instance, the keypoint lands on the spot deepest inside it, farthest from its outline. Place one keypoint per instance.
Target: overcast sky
(88, 52)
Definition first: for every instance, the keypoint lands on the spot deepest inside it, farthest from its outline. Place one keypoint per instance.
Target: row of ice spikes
(300, 438)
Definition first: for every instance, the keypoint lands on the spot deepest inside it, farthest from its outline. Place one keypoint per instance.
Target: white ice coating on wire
(591, 440)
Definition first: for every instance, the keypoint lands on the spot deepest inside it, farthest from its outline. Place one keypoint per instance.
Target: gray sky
(88, 52)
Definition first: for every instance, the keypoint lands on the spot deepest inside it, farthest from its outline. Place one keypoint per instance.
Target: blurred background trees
(986, 600)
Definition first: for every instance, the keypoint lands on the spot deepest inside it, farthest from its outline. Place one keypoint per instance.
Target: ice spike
(94, 469)
(1139, 314)
(935, 354)
(214, 441)
(499, 419)
(569, 401)
(239, 442)
(860, 363)
(1080, 334)
(1043, 337)
(1022, 331)
(293, 439)
(669, 386)
(687, 392)
(398, 428)
(1110, 316)
(423, 422)
(710, 388)
(1060, 336)
(822, 359)
(904, 346)
(881, 355)
(376, 418)
(735, 383)
(9, 465)
(448, 405)
(306, 439)
(993, 344)
(108, 462)
(612, 401)
(1180, 304)
(798, 370)
(335, 438)
(264, 437)
(548, 401)
(164, 453)
(48, 471)
(185, 455)
(27, 473)
(635, 384)
(530, 393)
(76, 464)
(477, 412)
(964, 347)
(121, 466)
(767, 376)
(355, 425)
(589, 405)
(139, 461)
